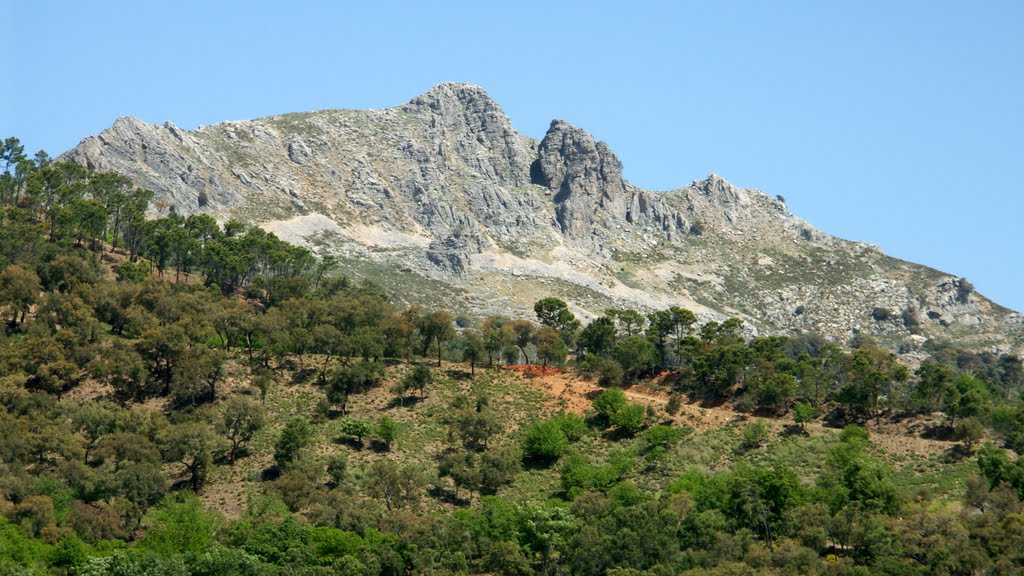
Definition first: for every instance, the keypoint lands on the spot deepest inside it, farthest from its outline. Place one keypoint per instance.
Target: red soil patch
(568, 391)
(532, 370)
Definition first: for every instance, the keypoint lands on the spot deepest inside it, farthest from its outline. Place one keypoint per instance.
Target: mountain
(441, 200)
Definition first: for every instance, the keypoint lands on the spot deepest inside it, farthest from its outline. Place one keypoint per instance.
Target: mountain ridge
(444, 190)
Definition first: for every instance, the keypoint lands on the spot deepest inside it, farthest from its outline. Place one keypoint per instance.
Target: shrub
(970, 431)
(881, 314)
(499, 467)
(607, 370)
(802, 414)
(296, 487)
(673, 405)
(387, 430)
(294, 438)
(910, 320)
(180, 526)
(572, 426)
(661, 436)
(545, 440)
(755, 434)
(609, 402)
(579, 475)
(337, 469)
(626, 493)
(854, 434)
(964, 289)
(630, 418)
(130, 272)
(95, 522)
(356, 428)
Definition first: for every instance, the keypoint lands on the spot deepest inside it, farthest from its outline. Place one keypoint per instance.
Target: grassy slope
(714, 440)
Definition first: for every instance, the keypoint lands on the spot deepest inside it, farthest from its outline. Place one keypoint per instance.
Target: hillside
(440, 200)
(184, 398)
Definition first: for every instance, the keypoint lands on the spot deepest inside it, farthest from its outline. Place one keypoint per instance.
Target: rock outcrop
(441, 198)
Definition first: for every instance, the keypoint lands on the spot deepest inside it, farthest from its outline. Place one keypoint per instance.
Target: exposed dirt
(228, 498)
(571, 392)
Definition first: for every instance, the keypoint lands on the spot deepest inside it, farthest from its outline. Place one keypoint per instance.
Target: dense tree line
(149, 318)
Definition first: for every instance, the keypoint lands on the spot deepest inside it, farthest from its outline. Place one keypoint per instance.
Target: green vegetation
(183, 397)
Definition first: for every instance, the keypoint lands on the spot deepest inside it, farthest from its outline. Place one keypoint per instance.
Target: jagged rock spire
(585, 176)
(466, 122)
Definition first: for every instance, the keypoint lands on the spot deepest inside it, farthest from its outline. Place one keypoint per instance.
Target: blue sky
(895, 123)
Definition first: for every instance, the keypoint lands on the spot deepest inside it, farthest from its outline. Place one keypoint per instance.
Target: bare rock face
(441, 199)
(586, 178)
(589, 193)
(465, 122)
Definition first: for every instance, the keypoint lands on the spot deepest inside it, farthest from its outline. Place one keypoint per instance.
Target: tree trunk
(194, 479)
(323, 369)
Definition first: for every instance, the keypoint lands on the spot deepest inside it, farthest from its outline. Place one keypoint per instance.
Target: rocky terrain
(440, 199)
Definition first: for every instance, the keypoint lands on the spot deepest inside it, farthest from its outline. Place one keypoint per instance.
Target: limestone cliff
(441, 199)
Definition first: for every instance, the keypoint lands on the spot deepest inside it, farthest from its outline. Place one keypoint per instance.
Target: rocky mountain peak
(464, 121)
(461, 104)
(441, 196)
(127, 122)
(584, 175)
(714, 185)
(452, 93)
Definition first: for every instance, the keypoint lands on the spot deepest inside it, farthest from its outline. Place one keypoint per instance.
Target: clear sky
(895, 123)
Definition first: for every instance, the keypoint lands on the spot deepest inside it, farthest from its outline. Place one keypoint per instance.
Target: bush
(387, 430)
(964, 289)
(970, 431)
(498, 467)
(673, 405)
(294, 438)
(297, 487)
(181, 525)
(572, 426)
(637, 357)
(661, 436)
(910, 320)
(545, 440)
(95, 522)
(131, 563)
(881, 314)
(854, 434)
(755, 434)
(607, 370)
(130, 272)
(626, 493)
(609, 402)
(337, 469)
(630, 418)
(579, 475)
(356, 428)
(802, 414)
(612, 406)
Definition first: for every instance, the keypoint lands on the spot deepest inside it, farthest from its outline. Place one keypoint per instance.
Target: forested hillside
(186, 397)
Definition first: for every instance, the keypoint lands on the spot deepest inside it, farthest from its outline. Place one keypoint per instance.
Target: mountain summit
(441, 198)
